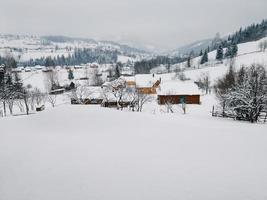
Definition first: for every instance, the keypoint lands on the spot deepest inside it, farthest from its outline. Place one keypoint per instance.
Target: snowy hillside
(196, 47)
(248, 53)
(25, 48)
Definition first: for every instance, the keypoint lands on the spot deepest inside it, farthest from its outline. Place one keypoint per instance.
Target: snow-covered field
(88, 152)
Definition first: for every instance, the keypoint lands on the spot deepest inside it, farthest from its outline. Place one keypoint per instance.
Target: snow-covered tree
(118, 89)
(96, 77)
(246, 99)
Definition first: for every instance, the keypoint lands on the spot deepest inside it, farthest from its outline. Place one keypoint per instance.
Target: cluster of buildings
(162, 88)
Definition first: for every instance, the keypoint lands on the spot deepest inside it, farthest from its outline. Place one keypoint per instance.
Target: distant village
(109, 85)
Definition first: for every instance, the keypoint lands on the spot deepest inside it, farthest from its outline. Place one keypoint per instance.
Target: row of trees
(144, 66)
(243, 94)
(12, 92)
(231, 52)
(251, 33)
(8, 61)
(80, 56)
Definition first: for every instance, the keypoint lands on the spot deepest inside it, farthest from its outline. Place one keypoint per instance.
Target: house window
(182, 99)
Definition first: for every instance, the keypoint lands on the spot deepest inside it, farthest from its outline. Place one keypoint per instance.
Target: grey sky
(164, 24)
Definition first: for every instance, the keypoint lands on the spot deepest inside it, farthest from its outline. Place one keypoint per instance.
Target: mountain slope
(27, 47)
(195, 46)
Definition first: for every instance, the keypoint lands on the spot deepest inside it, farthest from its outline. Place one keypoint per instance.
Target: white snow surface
(88, 152)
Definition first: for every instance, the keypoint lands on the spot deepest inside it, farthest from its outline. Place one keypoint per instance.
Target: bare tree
(138, 99)
(25, 97)
(10, 103)
(52, 99)
(118, 89)
(32, 100)
(86, 74)
(169, 106)
(39, 96)
(81, 93)
(96, 79)
(51, 81)
(142, 99)
(204, 82)
(20, 105)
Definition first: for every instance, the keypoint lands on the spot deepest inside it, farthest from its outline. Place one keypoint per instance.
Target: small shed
(178, 92)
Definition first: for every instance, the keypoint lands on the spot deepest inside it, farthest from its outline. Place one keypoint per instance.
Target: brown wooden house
(147, 83)
(179, 99)
(178, 92)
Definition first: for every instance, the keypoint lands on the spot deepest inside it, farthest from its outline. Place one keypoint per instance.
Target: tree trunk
(4, 104)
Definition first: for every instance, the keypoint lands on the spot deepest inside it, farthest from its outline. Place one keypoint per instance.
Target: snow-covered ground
(89, 152)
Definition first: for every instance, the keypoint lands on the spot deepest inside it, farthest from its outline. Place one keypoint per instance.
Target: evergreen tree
(18, 85)
(188, 63)
(204, 58)
(201, 53)
(49, 62)
(219, 55)
(117, 70)
(70, 75)
(10, 62)
(234, 50)
(231, 51)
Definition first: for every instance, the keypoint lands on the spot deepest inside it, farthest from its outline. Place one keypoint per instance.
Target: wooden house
(178, 92)
(150, 89)
(143, 83)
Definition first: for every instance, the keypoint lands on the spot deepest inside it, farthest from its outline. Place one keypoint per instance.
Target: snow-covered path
(76, 152)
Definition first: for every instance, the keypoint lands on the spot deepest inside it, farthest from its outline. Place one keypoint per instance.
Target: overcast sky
(165, 24)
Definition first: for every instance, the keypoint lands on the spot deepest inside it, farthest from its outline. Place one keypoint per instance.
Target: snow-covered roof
(178, 88)
(89, 92)
(128, 78)
(146, 80)
(115, 84)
